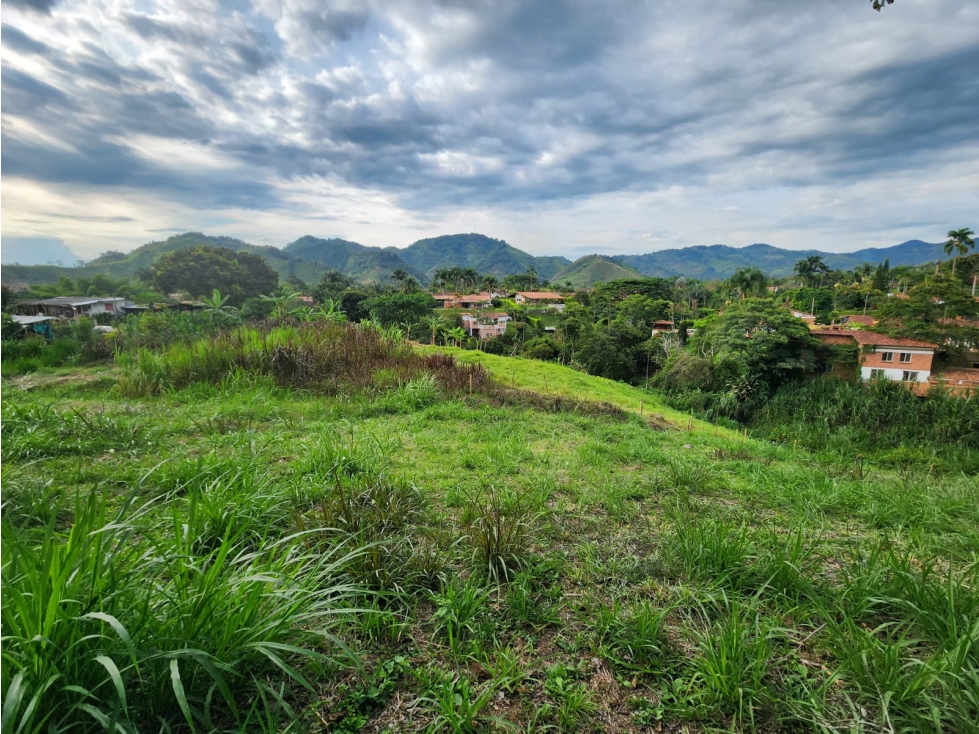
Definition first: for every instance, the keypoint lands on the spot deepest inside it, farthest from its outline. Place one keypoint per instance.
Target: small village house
(900, 360)
(485, 325)
(74, 306)
(471, 300)
(538, 298)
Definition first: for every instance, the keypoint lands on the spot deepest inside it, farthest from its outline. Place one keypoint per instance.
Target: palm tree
(960, 242)
(749, 282)
(406, 282)
(490, 283)
(470, 277)
(435, 323)
(441, 278)
(809, 268)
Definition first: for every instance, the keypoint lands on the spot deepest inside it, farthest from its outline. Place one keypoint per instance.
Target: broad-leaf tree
(197, 271)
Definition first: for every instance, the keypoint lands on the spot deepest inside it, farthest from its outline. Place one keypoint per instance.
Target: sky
(562, 126)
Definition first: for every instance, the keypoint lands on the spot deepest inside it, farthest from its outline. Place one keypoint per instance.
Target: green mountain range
(485, 254)
(709, 262)
(309, 257)
(591, 269)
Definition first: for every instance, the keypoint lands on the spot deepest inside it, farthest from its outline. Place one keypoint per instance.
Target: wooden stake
(470, 383)
(640, 406)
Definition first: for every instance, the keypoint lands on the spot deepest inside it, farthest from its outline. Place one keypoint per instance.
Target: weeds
(498, 528)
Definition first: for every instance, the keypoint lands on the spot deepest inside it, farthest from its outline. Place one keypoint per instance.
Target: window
(905, 356)
(887, 356)
(876, 373)
(110, 307)
(907, 376)
(828, 367)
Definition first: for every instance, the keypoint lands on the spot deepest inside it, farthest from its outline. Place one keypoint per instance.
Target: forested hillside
(709, 262)
(590, 269)
(484, 254)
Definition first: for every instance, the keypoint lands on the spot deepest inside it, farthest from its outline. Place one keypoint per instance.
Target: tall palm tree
(490, 283)
(470, 277)
(406, 282)
(441, 278)
(960, 241)
(749, 282)
(809, 268)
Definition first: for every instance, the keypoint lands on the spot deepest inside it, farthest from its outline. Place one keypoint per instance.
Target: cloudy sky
(564, 127)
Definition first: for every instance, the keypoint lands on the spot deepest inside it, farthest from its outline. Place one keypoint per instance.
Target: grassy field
(237, 555)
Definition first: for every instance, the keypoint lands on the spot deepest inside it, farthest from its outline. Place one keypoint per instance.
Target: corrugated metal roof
(69, 301)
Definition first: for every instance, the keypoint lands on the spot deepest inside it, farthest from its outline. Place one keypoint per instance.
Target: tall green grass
(847, 417)
(329, 357)
(124, 622)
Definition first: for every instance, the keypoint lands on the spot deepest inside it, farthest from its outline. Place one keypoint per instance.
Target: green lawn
(512, 568)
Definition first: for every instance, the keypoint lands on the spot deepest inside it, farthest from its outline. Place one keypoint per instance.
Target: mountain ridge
(309, 257)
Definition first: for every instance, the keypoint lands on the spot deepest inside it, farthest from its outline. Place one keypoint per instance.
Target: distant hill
(709, 262)
(363, 264)
(309, 257)
(126, 265)
(485, 254)
(591, 269)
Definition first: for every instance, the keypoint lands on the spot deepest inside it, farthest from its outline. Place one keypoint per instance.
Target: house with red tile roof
(533, 298)
(467, 300)
(879, 355)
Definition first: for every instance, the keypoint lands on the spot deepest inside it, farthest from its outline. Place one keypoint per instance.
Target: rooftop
(69, 301)
(538, 295)
(872, 338)
(28, 320)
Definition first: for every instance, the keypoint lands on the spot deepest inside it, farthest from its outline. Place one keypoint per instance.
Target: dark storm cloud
(499, 104)
(150, 28)
(334, 25)
(24, 95)
(16, 39)
(40, 6)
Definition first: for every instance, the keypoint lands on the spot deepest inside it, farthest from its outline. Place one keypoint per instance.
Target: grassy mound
(246, 552)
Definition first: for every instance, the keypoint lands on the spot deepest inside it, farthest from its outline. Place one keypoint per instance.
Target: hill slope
(485, 254)
(360, 262)
(127, 265)
(709, 262)
(591, 269)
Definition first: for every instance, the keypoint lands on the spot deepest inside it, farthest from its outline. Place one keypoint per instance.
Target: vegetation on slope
(128, 265)
(358, 262)
(484, 254)
(710, 262)
(239, 550)
(591, 269)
